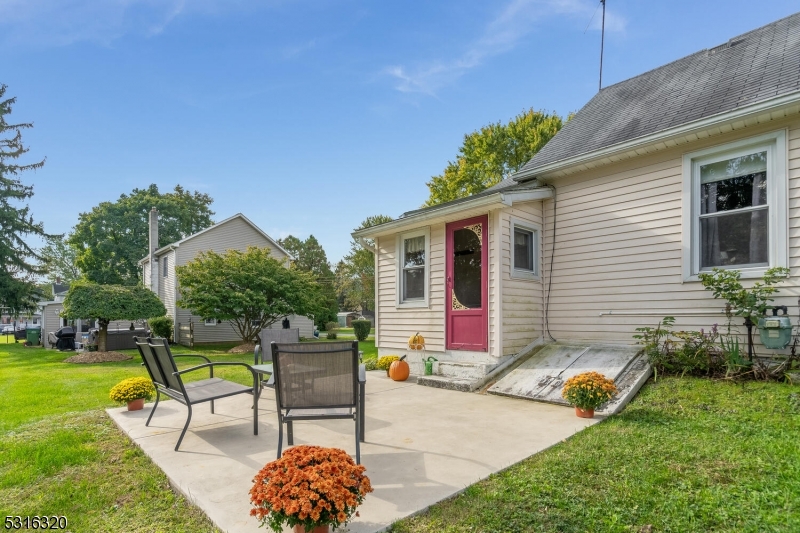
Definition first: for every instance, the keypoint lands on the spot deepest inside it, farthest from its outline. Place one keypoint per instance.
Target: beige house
(158, 270)
(690, 166)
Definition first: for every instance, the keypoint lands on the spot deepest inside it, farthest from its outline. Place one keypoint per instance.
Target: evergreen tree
(18, 260)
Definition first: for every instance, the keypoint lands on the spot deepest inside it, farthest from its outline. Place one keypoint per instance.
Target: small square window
(524, 250)
(210, 322)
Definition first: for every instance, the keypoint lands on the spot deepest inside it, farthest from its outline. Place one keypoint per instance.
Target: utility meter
(775, 331)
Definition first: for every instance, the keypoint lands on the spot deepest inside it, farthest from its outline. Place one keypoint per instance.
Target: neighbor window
(524, 250)
(737, 203)
(165, 262)
(413, 262)
(210, 322)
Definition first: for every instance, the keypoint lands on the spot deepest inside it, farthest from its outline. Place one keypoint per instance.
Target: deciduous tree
(355, 273)
(59, 260)
(113, 237)
(251, 289)
(309, 256)
(110, 302)
(492, 154)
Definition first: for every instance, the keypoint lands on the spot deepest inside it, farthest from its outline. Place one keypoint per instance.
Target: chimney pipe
(153, 248)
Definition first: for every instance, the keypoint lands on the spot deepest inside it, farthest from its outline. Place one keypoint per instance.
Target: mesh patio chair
(318, 381)
(159, 361)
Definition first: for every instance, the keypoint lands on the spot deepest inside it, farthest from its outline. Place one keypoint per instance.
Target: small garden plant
(132, 389)
(332, 328)
(713, 353)
(588, 390)
(161, 327)
(361, 329)
(309, 486)
(386, 361)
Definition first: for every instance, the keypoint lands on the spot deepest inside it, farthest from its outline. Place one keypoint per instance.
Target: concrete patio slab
(422, 445)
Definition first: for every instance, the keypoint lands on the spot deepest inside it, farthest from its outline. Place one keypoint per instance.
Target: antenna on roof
(602, 41)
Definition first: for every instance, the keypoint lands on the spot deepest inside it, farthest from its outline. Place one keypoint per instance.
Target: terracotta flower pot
(584, 413)
(317, 529)
(136, 405)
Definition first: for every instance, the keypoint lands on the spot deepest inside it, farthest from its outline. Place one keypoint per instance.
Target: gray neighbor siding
(235, 234)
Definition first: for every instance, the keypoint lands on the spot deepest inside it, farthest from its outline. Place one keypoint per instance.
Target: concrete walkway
(422, 445)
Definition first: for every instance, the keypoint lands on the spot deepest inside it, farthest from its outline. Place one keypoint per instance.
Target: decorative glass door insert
(467, 285)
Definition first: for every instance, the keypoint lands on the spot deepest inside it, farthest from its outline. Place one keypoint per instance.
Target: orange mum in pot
(309, 486)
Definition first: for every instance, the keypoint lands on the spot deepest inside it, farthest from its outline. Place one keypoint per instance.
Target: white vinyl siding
(398, 323)
(620, 245)
(166, 288)
(521, 295)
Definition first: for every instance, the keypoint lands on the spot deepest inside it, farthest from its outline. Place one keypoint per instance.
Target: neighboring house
(693, 165)
(234, 233)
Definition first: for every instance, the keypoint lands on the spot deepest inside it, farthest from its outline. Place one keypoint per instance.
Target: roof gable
(237, 216)
(751, 68)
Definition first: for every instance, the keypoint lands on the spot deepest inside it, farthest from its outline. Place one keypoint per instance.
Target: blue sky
(309, 116)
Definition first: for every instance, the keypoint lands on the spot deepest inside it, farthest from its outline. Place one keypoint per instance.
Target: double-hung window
(413, 252)
(735, 196)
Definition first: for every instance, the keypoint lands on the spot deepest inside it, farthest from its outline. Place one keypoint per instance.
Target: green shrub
(371, 364)
(331, 335)
(696, 353)
(161, 327)
(386, 361)
(361, 329)
(331, 326)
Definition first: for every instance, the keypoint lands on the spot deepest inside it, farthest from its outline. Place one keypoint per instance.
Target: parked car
(7, 329)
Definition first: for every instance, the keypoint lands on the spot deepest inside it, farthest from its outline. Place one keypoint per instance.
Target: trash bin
(32, 335)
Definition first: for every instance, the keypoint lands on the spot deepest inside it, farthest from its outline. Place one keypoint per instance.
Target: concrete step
(450, 383)
(469, 371)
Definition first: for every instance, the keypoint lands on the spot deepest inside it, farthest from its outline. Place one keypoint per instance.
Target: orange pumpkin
(399, 370)
(416, 342)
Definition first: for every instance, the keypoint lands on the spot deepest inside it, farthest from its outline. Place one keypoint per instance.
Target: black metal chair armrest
(192, 355)
(212, 365)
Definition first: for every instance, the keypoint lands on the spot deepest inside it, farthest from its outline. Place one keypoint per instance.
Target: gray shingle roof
(750, 68)
(506, 185)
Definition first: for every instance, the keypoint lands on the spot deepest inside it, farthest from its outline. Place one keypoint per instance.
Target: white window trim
(777, 200)
(399, 250)
(210, 322)
(537, 235)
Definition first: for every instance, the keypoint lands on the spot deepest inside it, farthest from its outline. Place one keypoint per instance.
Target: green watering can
(429, 365)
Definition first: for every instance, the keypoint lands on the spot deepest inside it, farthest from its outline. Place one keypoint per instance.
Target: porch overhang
(488, 202)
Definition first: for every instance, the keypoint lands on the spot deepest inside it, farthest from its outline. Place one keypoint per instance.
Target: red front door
(467, 288)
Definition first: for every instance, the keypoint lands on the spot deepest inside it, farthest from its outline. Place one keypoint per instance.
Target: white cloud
(63, 22)
(501, 35)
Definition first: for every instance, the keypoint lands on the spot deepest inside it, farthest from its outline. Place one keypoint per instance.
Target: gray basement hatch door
(542, 377)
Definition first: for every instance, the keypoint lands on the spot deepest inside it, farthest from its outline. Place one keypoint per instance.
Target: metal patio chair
(159, 361)
(318, 381)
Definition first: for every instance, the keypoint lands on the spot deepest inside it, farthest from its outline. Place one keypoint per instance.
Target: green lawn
(687, 455)
(61, 455)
